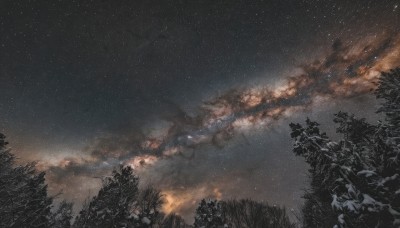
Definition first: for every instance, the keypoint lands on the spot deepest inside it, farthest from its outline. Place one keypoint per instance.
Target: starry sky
(195, 95)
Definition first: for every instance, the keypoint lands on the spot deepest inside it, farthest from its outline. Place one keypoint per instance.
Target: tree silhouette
(112, 206)
(355, 181)
(147, 209)
(243, 213)
(247, 213)
(173, 221)
(63, 215)
(23, 193)
(120, 203)
(209, 214)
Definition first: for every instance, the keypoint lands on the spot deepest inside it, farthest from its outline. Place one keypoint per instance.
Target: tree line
(354, 182)
(24, 202)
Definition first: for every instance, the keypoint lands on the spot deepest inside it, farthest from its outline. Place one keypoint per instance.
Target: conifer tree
(360, 174)
(209, 214)
(23, 193)
(63, 215)
(120, 203)
(112, 206)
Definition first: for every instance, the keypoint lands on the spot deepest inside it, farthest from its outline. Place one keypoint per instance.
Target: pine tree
(209, 214)
(23, 193)
(120, 203)
(112, 207)
(317, 208)
(63, 215)
(360, 174)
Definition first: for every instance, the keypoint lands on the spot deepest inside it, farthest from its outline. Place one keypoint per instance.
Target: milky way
(196, 96)
(347, 71)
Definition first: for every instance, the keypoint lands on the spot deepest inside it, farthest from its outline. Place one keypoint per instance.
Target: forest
(353, 182)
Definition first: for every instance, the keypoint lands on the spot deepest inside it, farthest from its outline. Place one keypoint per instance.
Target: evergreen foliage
(209, 214)
(113, 205)
(355, 182)
(63, 215)
(23, 193)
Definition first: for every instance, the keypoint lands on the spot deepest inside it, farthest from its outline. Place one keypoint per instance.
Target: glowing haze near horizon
(196, 97)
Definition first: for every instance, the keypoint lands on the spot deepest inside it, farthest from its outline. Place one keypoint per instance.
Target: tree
(359, 176)
(63, 215)
(209, 214)
(120, 203)
(23, 193)
(147, 209)
(247, 213)
(112, 207)
(243, 213)
(173, 221)
(317, 210)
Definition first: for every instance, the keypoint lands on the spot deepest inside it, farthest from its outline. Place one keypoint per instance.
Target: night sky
(195, 95)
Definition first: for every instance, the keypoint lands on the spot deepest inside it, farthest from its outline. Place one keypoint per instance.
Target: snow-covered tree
(23, 193)
(120, 203)
(360, 174)
(147, 209)
(209, 214)
(63, 215)
(113, 205)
